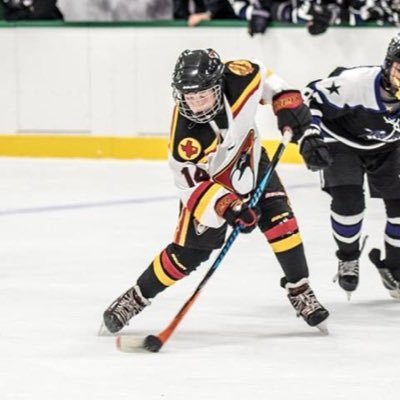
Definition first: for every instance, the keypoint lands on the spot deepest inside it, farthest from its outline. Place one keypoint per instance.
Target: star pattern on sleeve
(333, 88)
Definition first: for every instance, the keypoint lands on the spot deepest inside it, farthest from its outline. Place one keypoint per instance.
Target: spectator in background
(317, 15)
(116, 10)
(203, 10)
(182, 9)
(15, 10)
(257, 12)
(133, 10)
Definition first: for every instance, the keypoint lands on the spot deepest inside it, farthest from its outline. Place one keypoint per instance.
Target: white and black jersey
(348, 107)
(210, 160)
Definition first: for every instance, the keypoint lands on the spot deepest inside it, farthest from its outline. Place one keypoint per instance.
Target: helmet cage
(198, 71)
(203, 116)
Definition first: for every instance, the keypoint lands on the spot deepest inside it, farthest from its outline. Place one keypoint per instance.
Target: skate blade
(130, 344)
(348, 294)
(103, 331)
(323, 328)
(395, 294)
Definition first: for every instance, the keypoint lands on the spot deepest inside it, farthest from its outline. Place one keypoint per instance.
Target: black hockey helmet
(392, 55)
(198, 71)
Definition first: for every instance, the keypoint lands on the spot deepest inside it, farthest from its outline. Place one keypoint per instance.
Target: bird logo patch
(189, 149)
(239, 176)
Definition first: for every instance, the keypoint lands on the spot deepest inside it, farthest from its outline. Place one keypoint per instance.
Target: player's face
(395, 78)
(201, 102)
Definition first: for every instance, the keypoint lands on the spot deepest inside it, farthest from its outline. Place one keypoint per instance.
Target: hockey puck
(152, 343)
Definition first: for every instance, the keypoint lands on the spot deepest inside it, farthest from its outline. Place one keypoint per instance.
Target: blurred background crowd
(316, 15)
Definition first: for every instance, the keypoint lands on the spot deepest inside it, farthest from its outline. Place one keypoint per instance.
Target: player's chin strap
(155, 342)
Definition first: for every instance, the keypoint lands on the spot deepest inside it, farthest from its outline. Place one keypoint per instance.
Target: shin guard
(171, 265)
(285, 240)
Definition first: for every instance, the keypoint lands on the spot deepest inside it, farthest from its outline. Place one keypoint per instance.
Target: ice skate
(306, 304)
(388, 280)
(348, 275)
(119, 313)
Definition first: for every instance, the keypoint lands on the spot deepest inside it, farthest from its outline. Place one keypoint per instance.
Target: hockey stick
(154, 343)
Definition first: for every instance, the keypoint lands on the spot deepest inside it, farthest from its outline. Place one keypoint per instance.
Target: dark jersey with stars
(348, 107)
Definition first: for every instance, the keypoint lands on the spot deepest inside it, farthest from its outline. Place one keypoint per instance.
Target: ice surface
(74, 234)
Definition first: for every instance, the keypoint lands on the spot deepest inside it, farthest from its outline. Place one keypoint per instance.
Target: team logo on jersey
(240, 67)
(239, 175)
(189, 148)
(395, 122)
(383, 136)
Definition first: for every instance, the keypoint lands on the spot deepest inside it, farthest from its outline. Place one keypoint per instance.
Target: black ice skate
(348, 274)
(124, 308)
(388, 280)
(306, 304)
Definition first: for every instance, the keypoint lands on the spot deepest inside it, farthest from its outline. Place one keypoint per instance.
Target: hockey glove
(291, 112)
(322, 17)
(236, 212)
(320, 20)
(259, 20)
(315, 151)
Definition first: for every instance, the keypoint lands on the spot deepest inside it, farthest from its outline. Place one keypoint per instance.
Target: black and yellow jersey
(212, 159)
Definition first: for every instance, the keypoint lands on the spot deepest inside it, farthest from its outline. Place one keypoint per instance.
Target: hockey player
(357, 112)
(217, 161)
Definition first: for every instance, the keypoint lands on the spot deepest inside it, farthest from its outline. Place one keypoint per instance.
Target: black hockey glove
(291, 112)
(260, 18)
(315, 151)
(322, 17)
(235, 211)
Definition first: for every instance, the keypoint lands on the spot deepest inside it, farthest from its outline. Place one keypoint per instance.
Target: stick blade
(152, 343)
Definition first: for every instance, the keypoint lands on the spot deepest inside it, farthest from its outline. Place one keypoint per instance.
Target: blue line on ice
(109, 203)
